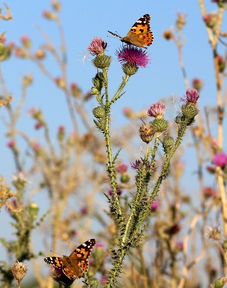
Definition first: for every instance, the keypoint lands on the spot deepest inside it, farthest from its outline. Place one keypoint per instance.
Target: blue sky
(84, 20)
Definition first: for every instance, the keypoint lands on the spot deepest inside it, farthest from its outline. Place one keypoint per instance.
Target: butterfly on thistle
(74, 265)
(140, 34)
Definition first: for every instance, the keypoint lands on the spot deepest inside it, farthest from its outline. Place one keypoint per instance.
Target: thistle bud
(33, 210)
(5, 52)
(197, 84)
(220, 63)
(75, 90)
(26, 42)
(159, 125)
(40, 54)
(181, 21)
(189, 110)
(168, 35)
(102, 61)
(99, 112)
(60, 82)
(56, 5)
(125, 178)
(49, 15)
(61, 133)
(129, 69)
(94, 91)
(210, 20)
(168, 143)
(27, 80)
(98, 81)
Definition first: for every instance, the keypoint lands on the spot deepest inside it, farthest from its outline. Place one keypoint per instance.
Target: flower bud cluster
(189, 109)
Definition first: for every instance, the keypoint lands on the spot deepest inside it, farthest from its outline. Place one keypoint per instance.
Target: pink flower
(38, 125)
(209, 192)
(84, 211)
(61, 129)
(128, 112)
(180, 245)
(25, 40)
(36, 146)
(11, 144)
(192, 95)
(103, 280)
(33, 111)
(97, 46)
(133, 55)
(156, 110)
(154, 205)
(100, 245)
(197, 84)
(220, 159)
(121, 168)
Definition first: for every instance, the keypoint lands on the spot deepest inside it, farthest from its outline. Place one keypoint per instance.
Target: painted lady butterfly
(140, 34)
(74, 265)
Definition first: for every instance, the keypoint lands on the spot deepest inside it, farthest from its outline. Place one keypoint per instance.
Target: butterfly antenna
(114, 34)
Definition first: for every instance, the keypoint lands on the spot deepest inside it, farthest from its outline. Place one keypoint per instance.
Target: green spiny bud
(98, 81)
(129, 69)
(125, 178)
(168, 143)
(100, 124)
(33, 210)
(179, 118)
(94, 91)
(189, 110)
(159, 125)
(102, 61)
(99, 112)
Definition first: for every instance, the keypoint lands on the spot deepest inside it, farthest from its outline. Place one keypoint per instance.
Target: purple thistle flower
(119, 192)
(103, 280)
(154, 205)
(97, 46)
(220, 159)
(192, 95)
(157, 110)
(133, 55)
(139, 164)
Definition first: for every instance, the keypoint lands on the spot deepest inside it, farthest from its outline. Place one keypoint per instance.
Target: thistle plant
(131, 222)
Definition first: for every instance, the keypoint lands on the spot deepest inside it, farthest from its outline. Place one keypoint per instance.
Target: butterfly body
(74, 265)
(140, 34)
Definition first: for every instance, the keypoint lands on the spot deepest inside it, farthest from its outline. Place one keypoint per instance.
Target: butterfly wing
(140, 33)
(78, 260)
(54, 261)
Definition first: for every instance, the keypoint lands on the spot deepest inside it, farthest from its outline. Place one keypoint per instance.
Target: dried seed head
(147, 133)
(19, 270)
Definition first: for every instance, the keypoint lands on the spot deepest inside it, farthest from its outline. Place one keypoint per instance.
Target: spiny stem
(165, 167)
(117, 94)
(110, 166)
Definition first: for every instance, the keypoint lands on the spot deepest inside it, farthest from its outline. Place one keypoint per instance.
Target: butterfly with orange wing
(74, 265)
(140, 34)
